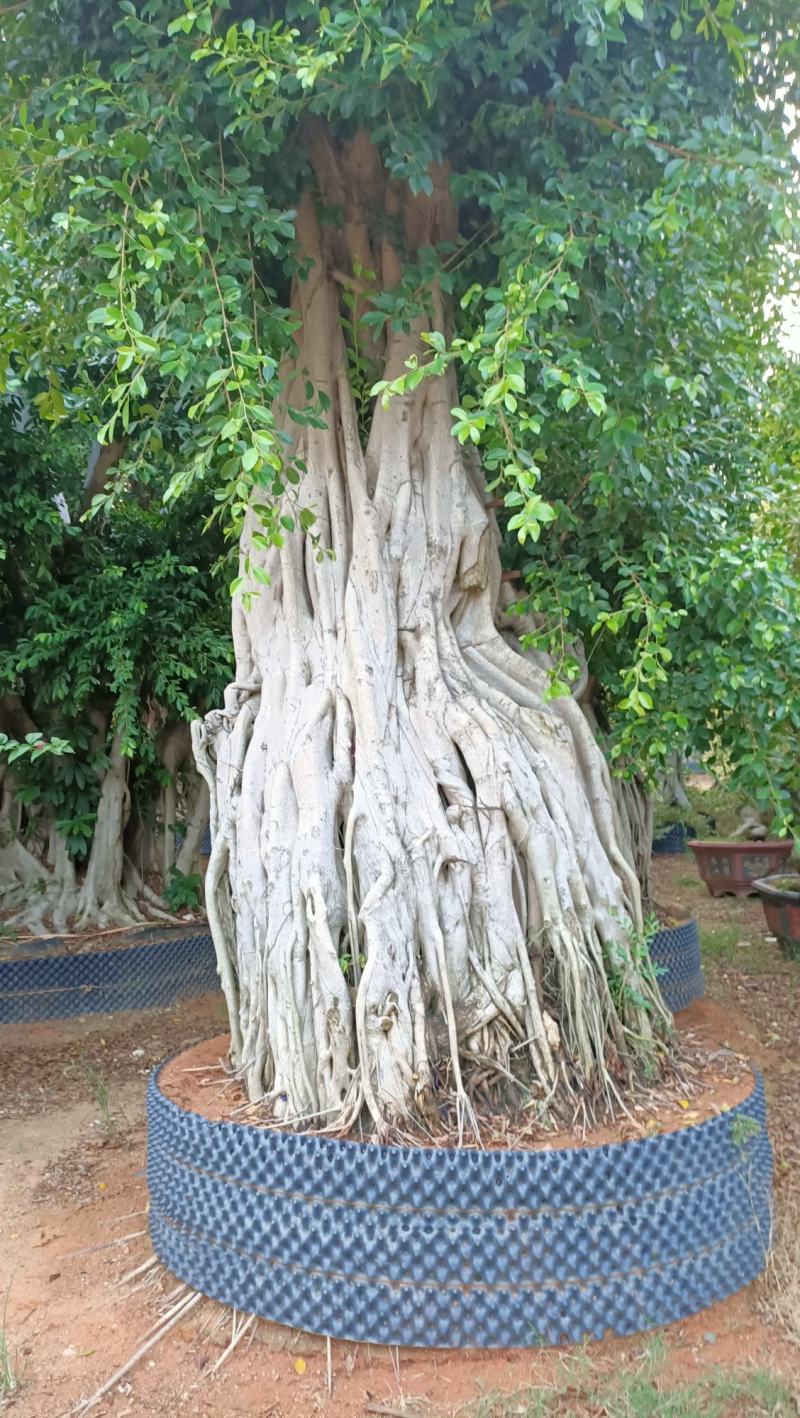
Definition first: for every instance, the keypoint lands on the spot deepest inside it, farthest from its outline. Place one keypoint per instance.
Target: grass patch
(691, 881)
(9, 1372)
(642, 1393)
(781, 1302)
(730, 945)
(98, 1088)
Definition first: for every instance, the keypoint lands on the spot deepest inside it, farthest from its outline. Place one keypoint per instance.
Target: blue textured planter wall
(675, 951)
(53, 986)
(439, 1247)
(672, 841)
(205, 845)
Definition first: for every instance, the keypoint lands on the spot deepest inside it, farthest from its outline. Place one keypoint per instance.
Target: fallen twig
(104, 1245)
(86, 1403)
(238, 1334)
(139, 1270)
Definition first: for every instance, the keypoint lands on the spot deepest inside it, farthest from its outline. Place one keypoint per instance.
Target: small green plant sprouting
(743, 1130)
(9, 1372)
(361, 364)
(637, 953)
(103, 1104)
(182, 891)
(99, 1089)
(579, 1388)
(346, 963)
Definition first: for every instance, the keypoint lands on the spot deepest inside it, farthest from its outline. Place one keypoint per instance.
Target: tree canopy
(628, 202)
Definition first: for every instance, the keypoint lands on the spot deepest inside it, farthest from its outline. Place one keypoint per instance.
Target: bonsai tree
(400, 269)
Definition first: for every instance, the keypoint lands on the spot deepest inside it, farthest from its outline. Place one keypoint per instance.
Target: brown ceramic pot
(733, 868)
(780, 897)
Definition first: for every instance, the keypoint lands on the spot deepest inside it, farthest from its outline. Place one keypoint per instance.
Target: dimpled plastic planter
(460, 1248)
(675, 952)
(43, 983)
(672, 841)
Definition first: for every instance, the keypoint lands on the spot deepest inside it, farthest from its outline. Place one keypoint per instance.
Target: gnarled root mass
(416, 875)
(41, 890)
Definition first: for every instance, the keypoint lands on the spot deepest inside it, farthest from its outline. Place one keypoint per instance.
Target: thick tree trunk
(24, 880)
(415, 877)
(635, 807)
(142, 841)
(194, 829)
(38, 879)
(31, 890)
(673, 792)
(102, 900)
(173, 750)
(633, 800)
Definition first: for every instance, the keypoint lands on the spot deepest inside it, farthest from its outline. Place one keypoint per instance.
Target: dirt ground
(73, 1224)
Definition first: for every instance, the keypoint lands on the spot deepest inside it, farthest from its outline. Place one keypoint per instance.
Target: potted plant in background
(673, 823)
(780, 897)
(741, 851)
(673, 828)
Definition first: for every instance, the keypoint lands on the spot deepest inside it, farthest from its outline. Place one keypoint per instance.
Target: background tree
(114, 637)
(372, 257)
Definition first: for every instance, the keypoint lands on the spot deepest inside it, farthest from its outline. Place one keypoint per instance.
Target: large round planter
(460, 1248)
(780, 897)
(205, 845)
(675, 952)
(672, 841)
(732, 868)
(54, 985)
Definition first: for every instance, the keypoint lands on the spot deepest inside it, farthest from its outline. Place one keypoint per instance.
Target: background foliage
(115, 626)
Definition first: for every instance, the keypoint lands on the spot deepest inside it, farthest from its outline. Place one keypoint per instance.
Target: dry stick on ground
(168, 1311)
(386, 1411)
(780, 1300)
(104, 1245)
(238, 1334)
(114, 930)
(139, 1270)
(85, 1404)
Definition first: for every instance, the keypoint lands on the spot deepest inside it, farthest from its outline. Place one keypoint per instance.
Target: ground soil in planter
(717, 1079)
